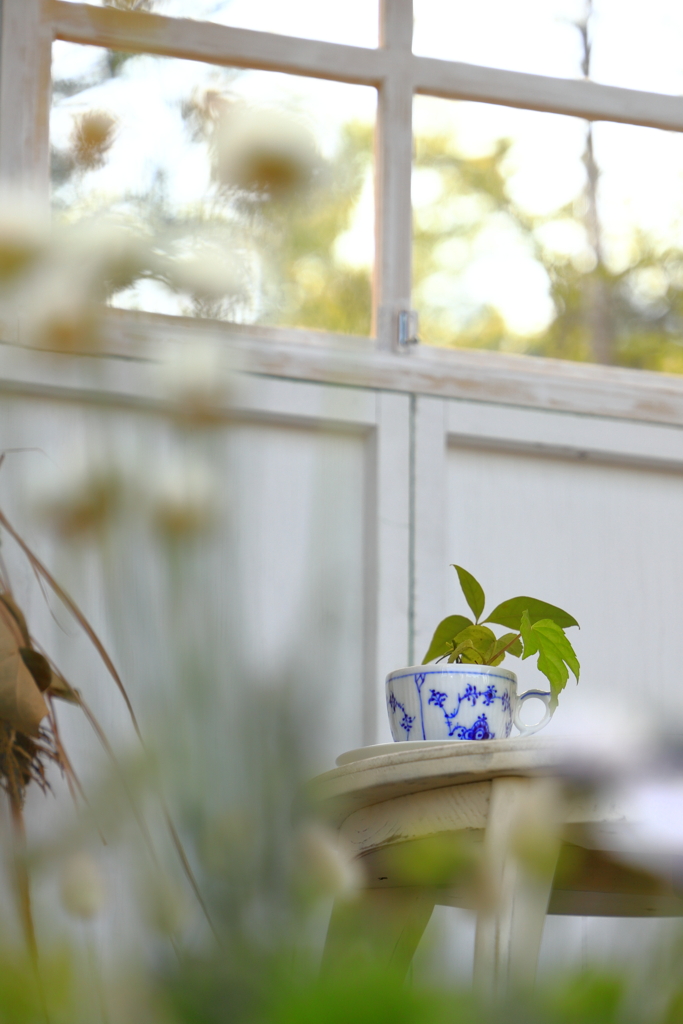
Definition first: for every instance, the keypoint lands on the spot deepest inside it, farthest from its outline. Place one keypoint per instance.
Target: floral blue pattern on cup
(460, 702)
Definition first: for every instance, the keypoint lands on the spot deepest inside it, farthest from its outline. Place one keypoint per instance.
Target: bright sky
(634, 44)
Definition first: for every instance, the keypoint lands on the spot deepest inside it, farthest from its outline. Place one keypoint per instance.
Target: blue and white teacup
(458, 702)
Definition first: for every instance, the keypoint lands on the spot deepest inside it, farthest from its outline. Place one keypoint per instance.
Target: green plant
(538, 628)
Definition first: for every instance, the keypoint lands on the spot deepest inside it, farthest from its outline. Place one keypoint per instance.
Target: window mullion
(213, 43)
(577, 98)
(25, 55)
(393, 171)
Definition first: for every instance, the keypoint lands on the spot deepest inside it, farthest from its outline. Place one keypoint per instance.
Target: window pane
(638, 45)
(262, 179)
(536, 234)
(632, 44)
(354, 22)
(536, 36)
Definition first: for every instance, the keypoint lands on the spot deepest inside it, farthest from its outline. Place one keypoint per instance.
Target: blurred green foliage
(245, 987)
(213, 994)
(291, 270)
(640, 328)
(318, 290)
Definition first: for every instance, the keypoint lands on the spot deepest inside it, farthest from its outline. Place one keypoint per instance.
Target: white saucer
(377, 749)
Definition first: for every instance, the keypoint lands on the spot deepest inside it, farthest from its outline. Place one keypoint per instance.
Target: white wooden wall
(315, 505)
(584, 511)
(348, 501)
(369, 494)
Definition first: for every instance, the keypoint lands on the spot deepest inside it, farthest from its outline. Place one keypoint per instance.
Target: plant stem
(506, 648)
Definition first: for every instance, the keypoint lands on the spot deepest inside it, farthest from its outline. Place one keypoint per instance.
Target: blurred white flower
(60, 317)
(324, 865)
(208, 273)
(264, 152)
(182, 498)
(82, 886)
(196, 377)
(608, 741)
(107, 255)
(654, 811)
(24, 234)
(78, 498)
(60, 300)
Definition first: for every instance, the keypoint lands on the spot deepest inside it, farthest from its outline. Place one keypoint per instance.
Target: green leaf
(528, 638)
(555, 653)
(551, 637)
(515, 647)
(467, 653)
(444, 635)
(474, 595)
(494, 655)
(481, 637)
(472, 657)
(509, 613)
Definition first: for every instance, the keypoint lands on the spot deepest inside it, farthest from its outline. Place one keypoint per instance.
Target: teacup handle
(527, 730)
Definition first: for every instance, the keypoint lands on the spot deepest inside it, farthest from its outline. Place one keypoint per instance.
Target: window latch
(407, 328)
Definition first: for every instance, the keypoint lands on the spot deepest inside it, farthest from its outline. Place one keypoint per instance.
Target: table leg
(383, 926)
(523, 820)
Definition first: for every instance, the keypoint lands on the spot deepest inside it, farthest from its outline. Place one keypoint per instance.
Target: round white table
(495, 826)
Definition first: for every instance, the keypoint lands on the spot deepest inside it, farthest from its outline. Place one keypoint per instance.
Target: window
(180, 149)
(544, 234)
(611, 163)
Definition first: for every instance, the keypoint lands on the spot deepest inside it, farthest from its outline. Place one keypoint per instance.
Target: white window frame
(27, 32)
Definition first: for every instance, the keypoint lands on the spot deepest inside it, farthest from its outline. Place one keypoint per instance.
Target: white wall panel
(388, 554)
(431, 541)
(584, 511)
(600, 540)
(298, 508)
(342, 508)
(309, 556)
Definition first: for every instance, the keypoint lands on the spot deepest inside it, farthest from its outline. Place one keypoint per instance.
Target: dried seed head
(92, 137)
(204, 109)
